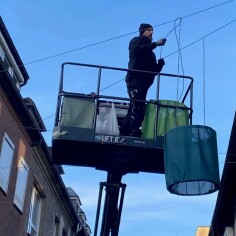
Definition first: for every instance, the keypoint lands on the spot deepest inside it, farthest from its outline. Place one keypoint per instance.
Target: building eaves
(35, 114)
(71, 192)
(13, 50)
(19, 106)
(28, 124)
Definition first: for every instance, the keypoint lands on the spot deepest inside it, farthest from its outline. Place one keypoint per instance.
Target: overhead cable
(117, 37)
(180, 49)
(205, 36)
(175, 51)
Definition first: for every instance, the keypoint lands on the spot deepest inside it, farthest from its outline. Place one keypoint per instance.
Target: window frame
(7, 157)
(19, 196)
(2, 53)
(31, 225)
(56, 226)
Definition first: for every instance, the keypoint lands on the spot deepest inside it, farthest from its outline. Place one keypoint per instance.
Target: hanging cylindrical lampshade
(191, 160)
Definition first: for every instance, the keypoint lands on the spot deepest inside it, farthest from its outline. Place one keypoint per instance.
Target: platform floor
(82, 147)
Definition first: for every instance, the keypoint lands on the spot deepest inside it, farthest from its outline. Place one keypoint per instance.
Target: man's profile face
(148, 33)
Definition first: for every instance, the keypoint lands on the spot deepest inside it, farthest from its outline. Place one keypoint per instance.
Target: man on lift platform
(141, 57)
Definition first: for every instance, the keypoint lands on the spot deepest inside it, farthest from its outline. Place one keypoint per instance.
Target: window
(6, 63)
(21, 181)
(69, 232)
(15, 79)
(56, 226)
(10, 70)
(6, 156)
(8, 66)
(64, 232)
(2, 53)
(59, 227)
(34, 214)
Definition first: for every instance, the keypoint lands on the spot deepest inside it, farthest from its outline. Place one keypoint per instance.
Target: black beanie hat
(143, 27)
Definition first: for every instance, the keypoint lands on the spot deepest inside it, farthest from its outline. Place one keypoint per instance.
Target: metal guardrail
(97, 95)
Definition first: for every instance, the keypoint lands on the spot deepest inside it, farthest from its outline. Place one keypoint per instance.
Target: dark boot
(136, 133)
(124, 131)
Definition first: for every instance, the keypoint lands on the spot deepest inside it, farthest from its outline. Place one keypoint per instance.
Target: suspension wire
(180, 61)
(179, 58)
(204, 81)
(175, 26)
(207, 35)
(178, 64)
(117, 37)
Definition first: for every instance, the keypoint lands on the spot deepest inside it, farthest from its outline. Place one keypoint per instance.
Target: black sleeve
(137, 45)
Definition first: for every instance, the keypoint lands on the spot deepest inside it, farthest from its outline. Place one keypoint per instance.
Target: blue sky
(44, 29)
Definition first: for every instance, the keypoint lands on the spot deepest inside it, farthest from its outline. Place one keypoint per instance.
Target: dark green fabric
(191, 160)
(78, 112)
(168, 118)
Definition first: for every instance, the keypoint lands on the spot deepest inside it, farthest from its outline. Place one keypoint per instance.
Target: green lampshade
(191, 160)
(168, 117)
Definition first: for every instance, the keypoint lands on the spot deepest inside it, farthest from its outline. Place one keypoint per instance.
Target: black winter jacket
(141, 57)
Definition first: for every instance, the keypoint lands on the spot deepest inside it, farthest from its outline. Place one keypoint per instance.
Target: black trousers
(134, 118)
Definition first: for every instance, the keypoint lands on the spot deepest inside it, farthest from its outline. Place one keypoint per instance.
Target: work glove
(160, 65)
(161, 42)
(161, 62)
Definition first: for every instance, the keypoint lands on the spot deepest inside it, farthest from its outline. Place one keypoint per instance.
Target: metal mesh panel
(77, 112)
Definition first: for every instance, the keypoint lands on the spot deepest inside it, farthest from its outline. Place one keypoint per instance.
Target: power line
(77, 49)
(204, 80)
(220, 162)
(90, 45)
(209, 8)
(117, 37)
(179, 49)
(33, 126)
(170, 54)
(124, 35)
(203, 37)
(192, 14)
